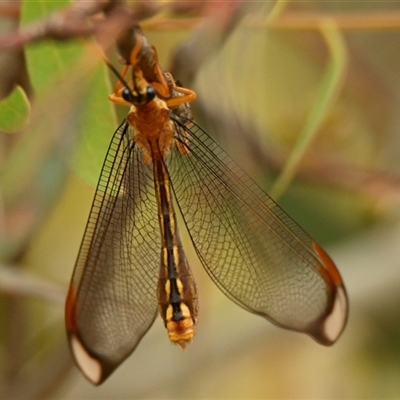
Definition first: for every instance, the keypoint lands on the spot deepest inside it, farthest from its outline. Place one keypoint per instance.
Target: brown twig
(359, 20)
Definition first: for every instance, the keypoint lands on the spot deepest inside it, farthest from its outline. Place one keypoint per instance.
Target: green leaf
(48, 60)
(329, 88)
(98, 124)
(14, 111)
(50, 63)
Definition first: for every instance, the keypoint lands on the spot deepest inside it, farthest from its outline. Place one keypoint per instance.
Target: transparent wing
(112, 300)
(254, 252)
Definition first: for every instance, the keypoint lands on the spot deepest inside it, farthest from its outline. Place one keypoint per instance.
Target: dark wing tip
(330, 326)
(93, 368)
(328, 329)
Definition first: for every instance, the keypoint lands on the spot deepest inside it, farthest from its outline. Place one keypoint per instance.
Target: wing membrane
(115, 277)
(255, 253)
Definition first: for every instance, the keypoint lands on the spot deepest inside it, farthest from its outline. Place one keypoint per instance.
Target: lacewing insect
(132, 262)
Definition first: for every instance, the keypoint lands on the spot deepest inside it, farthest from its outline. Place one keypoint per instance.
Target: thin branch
(311, 20)
(18, 282)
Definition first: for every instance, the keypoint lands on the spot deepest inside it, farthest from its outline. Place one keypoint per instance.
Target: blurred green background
(305, 94)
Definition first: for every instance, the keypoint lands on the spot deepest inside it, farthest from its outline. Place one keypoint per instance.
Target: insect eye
(127, 95)
(150, 93)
